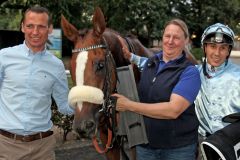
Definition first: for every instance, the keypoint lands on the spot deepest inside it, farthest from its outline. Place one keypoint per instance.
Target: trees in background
(143, 18)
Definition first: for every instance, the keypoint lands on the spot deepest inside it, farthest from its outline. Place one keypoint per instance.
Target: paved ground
(77, 150)
(74, 149)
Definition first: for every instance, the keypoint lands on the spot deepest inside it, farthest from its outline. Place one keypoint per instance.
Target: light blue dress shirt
(27, 82)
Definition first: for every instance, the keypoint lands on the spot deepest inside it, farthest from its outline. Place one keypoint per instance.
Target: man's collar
(29, 51)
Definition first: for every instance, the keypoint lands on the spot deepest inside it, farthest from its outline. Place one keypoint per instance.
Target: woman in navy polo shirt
(168, 87)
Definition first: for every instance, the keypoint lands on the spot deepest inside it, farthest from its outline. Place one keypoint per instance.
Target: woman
(168, 87)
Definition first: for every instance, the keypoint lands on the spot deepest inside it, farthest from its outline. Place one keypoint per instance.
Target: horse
(96, 55)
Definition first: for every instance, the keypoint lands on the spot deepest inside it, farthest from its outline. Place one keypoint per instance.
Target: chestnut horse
(96, 55)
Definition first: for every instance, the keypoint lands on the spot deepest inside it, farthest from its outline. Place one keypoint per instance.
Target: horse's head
(93, 71)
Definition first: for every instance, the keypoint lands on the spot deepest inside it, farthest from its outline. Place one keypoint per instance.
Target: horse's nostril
(89, 124)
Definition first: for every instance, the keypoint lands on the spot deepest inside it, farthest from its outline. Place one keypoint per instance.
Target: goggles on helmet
(218, 33)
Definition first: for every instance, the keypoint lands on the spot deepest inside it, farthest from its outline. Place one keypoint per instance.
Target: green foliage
(198, 14)
(144, 18)
(198, 53)
(10, 19)
(62, 121)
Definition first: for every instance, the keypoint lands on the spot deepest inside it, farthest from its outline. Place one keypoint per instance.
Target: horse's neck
(145, 52)
(139, 48)
(115, 48)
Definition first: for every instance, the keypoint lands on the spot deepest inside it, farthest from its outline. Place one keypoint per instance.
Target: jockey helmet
(218, 33)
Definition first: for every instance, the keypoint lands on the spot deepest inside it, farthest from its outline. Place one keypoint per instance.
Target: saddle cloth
(223, 144)
(131, 124)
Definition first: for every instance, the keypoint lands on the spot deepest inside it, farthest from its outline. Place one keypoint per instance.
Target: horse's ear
(99, 23)
(69, 30)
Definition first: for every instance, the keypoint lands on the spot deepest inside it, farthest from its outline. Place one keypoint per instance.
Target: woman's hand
(122, 102)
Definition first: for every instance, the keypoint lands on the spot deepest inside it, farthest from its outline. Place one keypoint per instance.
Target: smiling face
(216, 53)
(174, 42)
(36, 29)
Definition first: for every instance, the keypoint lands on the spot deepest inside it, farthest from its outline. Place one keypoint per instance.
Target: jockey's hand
(126, 53)
(122, 102)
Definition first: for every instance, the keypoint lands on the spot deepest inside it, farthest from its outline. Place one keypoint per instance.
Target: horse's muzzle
(85, 129)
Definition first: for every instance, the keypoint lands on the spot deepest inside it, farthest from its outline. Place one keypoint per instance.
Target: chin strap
(205, 64)
(205, 68)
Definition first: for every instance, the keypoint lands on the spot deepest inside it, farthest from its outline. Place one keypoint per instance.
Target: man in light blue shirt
(29, 76)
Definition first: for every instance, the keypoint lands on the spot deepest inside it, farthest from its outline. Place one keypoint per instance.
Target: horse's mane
(113, 31)
(130, 35)
(110, 35)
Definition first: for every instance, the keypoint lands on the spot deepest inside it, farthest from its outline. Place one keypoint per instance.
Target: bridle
(108, 108)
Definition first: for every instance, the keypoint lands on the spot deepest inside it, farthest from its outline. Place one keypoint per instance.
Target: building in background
(55, 43)
(9, 38)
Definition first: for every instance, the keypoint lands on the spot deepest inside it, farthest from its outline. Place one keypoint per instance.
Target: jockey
(220, 89)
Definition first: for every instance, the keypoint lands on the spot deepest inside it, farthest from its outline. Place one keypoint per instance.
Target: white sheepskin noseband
(79, 94)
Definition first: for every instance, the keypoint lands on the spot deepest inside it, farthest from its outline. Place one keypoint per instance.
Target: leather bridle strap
(108, 144)
(111, 133)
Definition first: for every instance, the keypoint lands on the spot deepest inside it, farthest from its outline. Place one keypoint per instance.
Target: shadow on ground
(77, 150)
(74, 149)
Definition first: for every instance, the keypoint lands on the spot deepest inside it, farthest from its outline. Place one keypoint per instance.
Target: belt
(27, 138)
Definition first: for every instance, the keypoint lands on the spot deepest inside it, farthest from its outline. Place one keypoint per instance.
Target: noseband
(108, 108)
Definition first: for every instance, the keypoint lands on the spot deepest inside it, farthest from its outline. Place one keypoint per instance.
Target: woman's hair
(179, 23)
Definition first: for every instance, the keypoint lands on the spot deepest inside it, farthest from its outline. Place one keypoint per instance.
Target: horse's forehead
(87, 39)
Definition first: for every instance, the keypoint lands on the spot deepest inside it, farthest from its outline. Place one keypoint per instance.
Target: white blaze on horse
(96, 54)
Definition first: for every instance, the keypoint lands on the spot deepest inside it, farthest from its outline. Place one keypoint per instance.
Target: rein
(111, 127)
(130, 45)
(109, 104)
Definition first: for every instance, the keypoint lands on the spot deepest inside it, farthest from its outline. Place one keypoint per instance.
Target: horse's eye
(100, 66)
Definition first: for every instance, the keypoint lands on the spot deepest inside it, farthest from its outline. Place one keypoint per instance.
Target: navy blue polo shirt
(158, 81)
